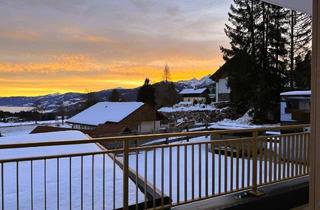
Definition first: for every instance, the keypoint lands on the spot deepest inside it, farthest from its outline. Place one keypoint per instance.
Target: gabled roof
(193, 91)
(222, 72)
(104, 112)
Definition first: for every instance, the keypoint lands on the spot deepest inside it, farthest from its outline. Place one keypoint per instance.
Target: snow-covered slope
(195, 83)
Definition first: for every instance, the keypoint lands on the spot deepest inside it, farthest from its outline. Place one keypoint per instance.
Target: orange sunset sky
(50, 46)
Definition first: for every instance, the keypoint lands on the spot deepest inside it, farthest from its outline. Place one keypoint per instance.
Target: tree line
(157, 95)
(269, 52)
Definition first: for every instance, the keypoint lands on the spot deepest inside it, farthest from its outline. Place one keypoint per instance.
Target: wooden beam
(314, 195)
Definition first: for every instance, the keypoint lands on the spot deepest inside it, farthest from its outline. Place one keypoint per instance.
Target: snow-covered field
(48, 182)
(16, 130)
(16, 109)
(20, 128)
(16, 124)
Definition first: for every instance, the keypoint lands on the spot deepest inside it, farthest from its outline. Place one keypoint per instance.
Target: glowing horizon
(81, 45)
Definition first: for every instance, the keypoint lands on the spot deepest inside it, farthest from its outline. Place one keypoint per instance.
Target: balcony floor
(282, 196)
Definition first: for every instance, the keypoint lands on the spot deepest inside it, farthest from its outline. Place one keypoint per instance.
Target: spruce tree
(256, 60)
(115, 96)
(272, 63)
(302, 72)
(61, 111)
(146, 93)
(90, 99)
(241, 61)
(300, 35)
(166, 94)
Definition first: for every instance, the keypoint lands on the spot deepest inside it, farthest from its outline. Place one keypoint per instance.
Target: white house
(222, 89)
(194, 95)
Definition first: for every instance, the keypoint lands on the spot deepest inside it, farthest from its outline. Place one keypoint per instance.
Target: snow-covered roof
(297, 93)
(46, 150)
(103, 112)
(193, 91)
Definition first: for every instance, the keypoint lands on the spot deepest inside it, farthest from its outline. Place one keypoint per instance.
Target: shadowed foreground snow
(199, 180)
(45, 188)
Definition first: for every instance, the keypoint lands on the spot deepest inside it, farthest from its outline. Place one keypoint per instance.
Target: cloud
(73, 63)
(93, 44)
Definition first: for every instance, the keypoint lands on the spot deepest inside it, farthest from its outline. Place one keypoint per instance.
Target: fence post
(254, 191)
(125, 174)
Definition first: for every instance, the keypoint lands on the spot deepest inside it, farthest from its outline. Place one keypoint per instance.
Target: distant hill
(70, 100)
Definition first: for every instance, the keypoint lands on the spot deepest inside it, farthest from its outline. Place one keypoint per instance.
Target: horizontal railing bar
(149, 136)
(136, 148)
(142, 148)
(281, 135)
(60, 156)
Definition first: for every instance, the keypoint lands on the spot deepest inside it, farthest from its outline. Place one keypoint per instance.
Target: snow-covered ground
(227, 124)
(17, 130)
(45, 182)
(197, 107)
(14, 129)
(15, 124)
(243, 122)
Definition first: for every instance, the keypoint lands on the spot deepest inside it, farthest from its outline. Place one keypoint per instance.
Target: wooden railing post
(254, 190)
(125, 174)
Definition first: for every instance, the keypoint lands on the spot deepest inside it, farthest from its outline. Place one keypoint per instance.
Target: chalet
(295, 107)
(195, 95)
(221, 79)
(115, 118)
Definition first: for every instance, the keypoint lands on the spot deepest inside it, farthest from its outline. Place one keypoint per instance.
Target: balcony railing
(159, 176)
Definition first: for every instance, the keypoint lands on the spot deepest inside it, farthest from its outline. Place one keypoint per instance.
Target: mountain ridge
(50, 102)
